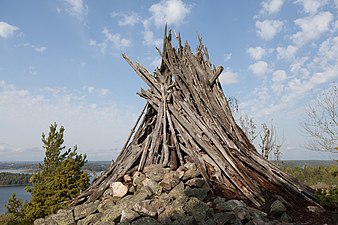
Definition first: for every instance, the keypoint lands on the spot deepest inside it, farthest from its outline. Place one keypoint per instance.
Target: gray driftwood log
(187, 117)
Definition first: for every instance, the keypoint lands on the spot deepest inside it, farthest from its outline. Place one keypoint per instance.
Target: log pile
(187, 118)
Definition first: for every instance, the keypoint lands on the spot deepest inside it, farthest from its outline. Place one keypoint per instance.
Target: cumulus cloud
(256, 53)
(171, 12)
(278, 77)
(7, 30)
(149, 40)
(34, 110)
(311, 6)
(272, 6)
(76, 8)
(228, 77)
(312, 27)
(259, 69)
(267, 29)
(113, 41)
(126, 19)
(287, 53)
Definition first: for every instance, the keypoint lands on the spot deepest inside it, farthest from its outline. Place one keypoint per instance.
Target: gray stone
(258, 221)
(106, 203)
(190, 173)
(63, 217)
(91, 219)
(127, 178)
(285, 218)
(170, 180)
(277, 208)
(155, 172)
(230, 205)
(144, 208)
(86, 209)
(196, 208)
(195, 182)
(114, 212)
(161, 202)
(128, 215)
(177, 191)
(199, 193)
(119, 189)
(145, 221)
(223, 217)
(44, 221)
(187, 220)
(242, 213)
(138, 178)
(154, 186)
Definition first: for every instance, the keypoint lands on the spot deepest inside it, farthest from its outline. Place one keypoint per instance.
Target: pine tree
(14, 213)
(59, 179)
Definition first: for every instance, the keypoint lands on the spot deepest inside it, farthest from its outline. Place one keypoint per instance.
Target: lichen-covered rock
(155, 172)
(91, 219)
(114, 212)
(155, 187)
(145, 221)
(63, 217)
(86, 209)
(230, 205)
(170, 180)
(138, 178)
(223, 217)
(277, 208)
(195, 182)
(128, 215)
(200, 193)
(144, 208)
(196, 208)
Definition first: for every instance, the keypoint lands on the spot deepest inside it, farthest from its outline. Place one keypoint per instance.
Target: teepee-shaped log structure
(187, 117)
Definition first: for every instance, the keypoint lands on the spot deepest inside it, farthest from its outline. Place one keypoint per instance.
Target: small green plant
(328, 197)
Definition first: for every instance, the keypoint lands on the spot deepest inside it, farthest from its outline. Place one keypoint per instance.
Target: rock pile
(161, 196)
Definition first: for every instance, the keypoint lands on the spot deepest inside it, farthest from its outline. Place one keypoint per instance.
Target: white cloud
(111, 41)
(256, 53)
(127, 19)
(97, 91)
(171, 12)
(228, 77)
(34, 110)
(328, 51)
(149, 40)
(41, 49)
(311, 6)
(287, 53)
(227, 56)
(267, 29)
(312, 27)
(32, 70)
(278, 77)
(7, 30)
(77, 8)
(259, 69)
(156, 62)
(272, 6)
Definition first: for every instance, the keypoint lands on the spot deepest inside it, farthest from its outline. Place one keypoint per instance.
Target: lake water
(6, 192)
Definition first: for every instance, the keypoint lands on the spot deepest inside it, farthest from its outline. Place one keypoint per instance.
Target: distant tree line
(7, 178)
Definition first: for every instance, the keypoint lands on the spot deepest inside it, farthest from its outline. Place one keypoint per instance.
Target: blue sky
(60, 61)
